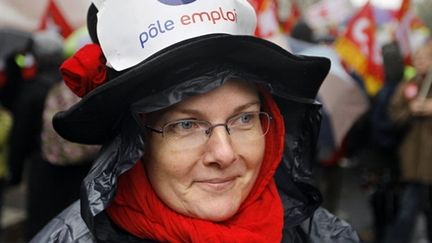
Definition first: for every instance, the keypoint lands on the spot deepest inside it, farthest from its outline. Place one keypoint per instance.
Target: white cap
(131, 31)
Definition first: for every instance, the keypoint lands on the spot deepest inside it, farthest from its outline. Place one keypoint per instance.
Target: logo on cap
(176, 2)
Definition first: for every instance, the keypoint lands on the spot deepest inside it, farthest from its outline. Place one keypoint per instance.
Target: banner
(268, 20)
(359, 49)
(268, 26)
(407, 26)
(328, 13)
(293, 16)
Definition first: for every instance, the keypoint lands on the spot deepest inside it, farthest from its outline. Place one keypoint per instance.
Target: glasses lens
(249, 126)
(265, 122)
(186, 133)
(244, 128)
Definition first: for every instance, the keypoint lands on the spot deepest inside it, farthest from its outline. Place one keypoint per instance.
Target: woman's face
(209, 181)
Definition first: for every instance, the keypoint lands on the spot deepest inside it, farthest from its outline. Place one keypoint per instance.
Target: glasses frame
(211, 126)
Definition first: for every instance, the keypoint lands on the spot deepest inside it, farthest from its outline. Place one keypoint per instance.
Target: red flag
(294, 16)
(358, 48)
(402, 36)
(406, 22)
(53, 18)
(328, 15)
(405, 6)
(267, 18)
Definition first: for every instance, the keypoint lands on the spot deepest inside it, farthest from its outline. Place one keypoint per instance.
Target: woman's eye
(245, 118)
(185, 124)
(182, 127)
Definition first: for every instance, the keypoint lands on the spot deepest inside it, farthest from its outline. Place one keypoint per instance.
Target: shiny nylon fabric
(138, 210)
(304, 221)
(302, 121)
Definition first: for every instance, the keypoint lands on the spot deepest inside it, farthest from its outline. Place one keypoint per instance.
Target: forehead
(231, 92)
(228, 98)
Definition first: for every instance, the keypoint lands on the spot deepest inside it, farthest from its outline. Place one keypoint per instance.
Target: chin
(218, 211)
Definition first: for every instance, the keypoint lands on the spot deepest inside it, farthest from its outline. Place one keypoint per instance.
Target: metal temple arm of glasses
(153, 129)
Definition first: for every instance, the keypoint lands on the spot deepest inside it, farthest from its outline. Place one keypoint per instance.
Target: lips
(217, 184)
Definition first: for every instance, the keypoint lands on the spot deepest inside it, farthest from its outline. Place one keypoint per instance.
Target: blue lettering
(169, 25)
(153, 30)
(143, 41)
(159, 27)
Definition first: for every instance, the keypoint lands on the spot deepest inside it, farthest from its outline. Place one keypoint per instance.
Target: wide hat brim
(95, 119)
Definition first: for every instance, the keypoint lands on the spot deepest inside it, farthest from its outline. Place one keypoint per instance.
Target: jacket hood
(302, 121)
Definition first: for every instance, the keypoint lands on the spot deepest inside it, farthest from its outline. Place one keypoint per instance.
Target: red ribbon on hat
(85, 70)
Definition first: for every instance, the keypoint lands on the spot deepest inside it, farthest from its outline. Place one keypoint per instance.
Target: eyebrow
(238, 109)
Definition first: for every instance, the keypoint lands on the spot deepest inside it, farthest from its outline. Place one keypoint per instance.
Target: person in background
(207, 132)
(302, 31)
(15, 66)
(25, 143)
(5, 127)
(381, 160)
(46, 48)
(52, 183)
(411, 107)
(59, 168)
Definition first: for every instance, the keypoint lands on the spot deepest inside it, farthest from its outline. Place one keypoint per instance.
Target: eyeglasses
(189, 133)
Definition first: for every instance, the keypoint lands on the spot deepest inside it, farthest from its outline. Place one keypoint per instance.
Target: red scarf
(138, 210)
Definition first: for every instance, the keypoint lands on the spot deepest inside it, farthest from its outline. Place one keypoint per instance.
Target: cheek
(165, 166)
(253, 153)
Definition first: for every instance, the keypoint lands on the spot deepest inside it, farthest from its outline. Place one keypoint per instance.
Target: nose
(219, 149)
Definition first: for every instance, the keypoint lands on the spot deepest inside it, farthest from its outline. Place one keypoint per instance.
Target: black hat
(154, 38)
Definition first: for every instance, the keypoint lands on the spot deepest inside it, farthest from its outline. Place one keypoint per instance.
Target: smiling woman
(211, 180)
(207, 132)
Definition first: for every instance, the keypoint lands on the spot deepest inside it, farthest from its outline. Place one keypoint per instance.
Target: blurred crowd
(390, 142)
(31, 151)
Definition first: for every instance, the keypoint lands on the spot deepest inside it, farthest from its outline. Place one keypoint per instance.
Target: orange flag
(359, 50)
